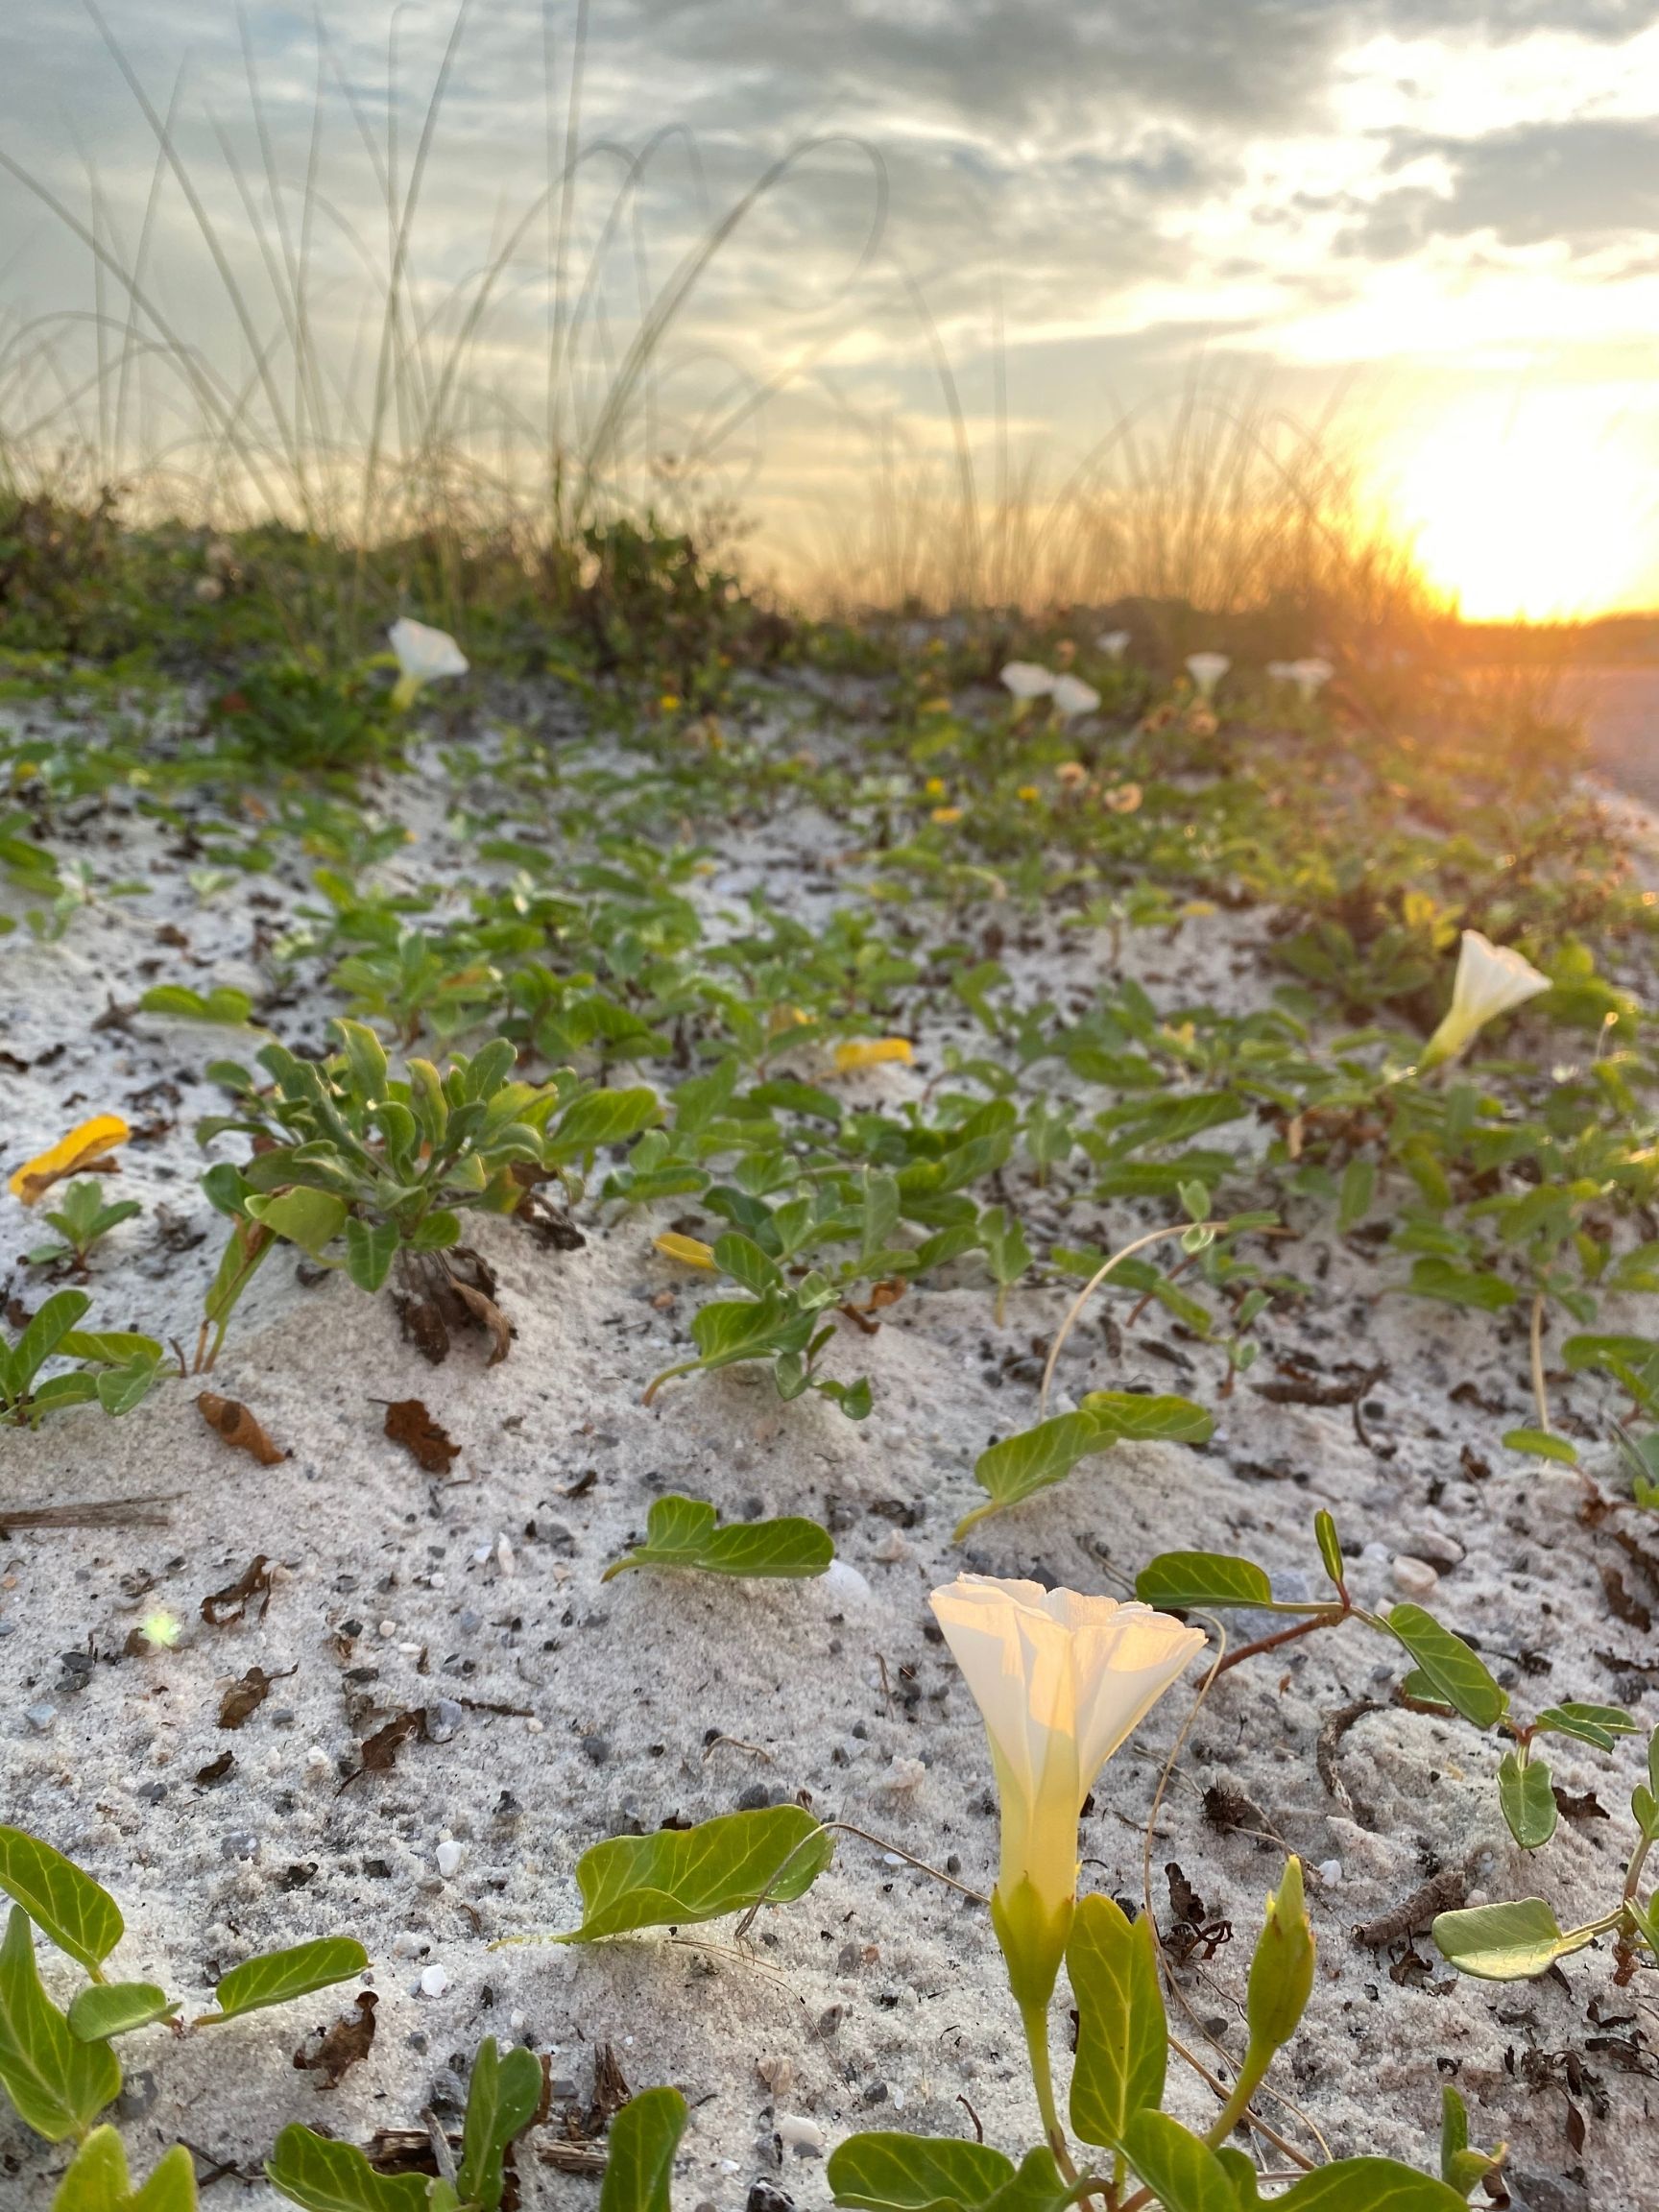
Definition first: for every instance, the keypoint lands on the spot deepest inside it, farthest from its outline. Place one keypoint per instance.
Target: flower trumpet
(1491, 979)
(1072, 696)
(1060, 1680)
(1026, 680)
(424, 655)
(1206, 670)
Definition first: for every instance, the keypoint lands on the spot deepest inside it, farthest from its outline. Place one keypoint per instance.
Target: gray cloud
(1042, 157)
(1588, 181)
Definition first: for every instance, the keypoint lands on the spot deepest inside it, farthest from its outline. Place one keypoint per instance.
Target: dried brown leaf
(1622, 1603)
(223, 1606)
(409, 1424)
(343, 2044)
(377, 1754)
(489, 1316)
(244, 1698)
(237, 1426)
(216, 1770)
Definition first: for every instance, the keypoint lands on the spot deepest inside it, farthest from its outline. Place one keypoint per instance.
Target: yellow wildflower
(871, 1052)
(1029, 793)
(945, 815)
(690, 1250)
(86, 1145)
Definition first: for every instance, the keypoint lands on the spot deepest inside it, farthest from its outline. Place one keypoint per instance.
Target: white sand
(876, 2000)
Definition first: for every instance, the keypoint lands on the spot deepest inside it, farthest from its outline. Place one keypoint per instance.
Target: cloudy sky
(1425, 224)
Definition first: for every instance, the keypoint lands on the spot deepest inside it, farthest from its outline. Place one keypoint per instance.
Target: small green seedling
(502, 2097)
(82, 1219)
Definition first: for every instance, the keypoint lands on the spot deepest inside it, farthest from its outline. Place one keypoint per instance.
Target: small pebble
(1415, 1577)
(902, 1776)
(1330, 1871)
(844, 1581)
(41, 1717)
(405, 1945)
(1442, 1552)
(317, 1758)
(387, 1629)
(449, 1858)
(797, 2133)
(433, 1981)
(504, 1558)
(442, 1717)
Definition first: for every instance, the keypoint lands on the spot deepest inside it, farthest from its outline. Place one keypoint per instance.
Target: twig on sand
(95, 1513)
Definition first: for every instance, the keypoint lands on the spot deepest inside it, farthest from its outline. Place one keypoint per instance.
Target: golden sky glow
(1535, 507)
(1425, 233)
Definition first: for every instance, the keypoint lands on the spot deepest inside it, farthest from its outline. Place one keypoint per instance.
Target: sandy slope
(876, 2000)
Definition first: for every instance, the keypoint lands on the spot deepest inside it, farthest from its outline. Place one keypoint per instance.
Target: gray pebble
(444, 1717)
(40, 1717)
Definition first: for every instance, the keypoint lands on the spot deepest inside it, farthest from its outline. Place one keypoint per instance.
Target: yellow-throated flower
(1027, 680)
(1072, 696)
(1060, 1681)
(1491, 979)
(1206, 670)
(423, 655)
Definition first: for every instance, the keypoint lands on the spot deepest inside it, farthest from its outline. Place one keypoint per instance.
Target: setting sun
(1533, 510)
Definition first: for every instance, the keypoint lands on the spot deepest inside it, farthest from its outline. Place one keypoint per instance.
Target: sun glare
(1534, 511)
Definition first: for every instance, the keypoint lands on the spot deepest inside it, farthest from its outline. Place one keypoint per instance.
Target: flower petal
(87, 1142)
(872, 1052)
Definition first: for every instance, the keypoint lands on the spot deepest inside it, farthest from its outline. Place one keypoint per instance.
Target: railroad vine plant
(1061, 1682)
(360, 1168)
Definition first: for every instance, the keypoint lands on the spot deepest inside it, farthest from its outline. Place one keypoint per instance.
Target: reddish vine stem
(1334, 1619)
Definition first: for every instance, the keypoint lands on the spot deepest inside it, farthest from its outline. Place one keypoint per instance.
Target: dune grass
(527, 437)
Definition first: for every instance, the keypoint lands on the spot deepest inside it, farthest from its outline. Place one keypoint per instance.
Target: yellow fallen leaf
(86, 1145)
(691, 1251)
(945, 814)
(872, 1052)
